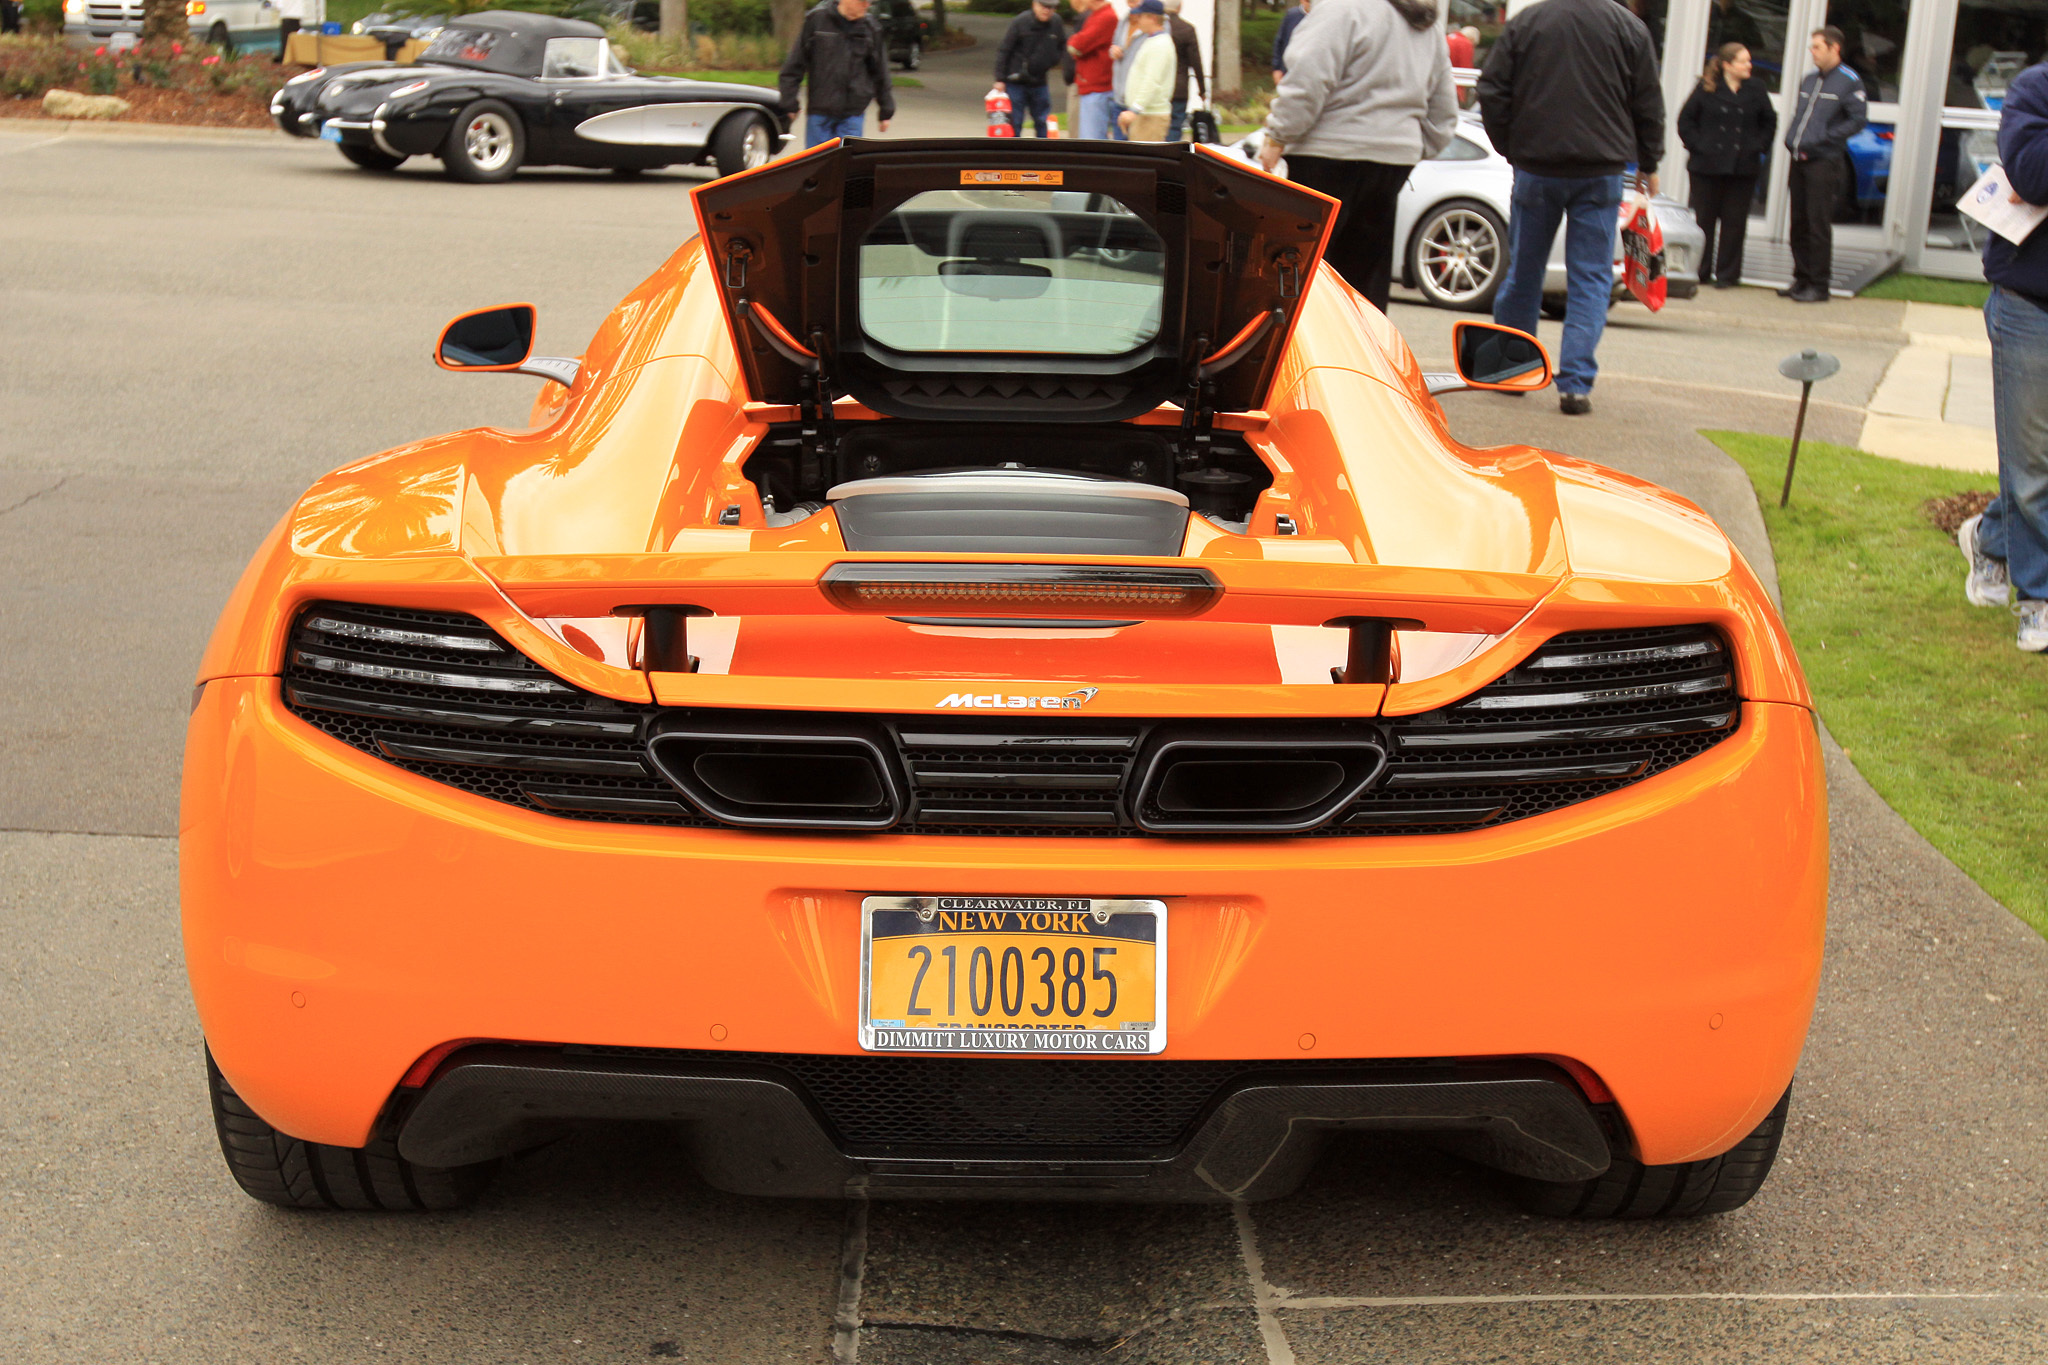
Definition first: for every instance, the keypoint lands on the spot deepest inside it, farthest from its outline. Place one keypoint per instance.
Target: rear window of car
(463, 45)
(994, 271)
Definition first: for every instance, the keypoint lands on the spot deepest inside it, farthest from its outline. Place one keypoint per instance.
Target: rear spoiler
(1508, 615)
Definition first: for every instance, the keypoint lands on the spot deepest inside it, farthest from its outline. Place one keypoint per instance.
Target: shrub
(29, 67)
(750, 18)
(42, 16)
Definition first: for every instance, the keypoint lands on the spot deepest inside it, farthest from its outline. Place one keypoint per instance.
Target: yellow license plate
(1012, 974)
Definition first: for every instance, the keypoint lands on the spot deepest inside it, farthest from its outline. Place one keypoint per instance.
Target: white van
(235, 25)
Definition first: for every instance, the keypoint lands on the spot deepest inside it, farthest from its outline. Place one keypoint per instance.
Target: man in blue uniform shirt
(1831, 110)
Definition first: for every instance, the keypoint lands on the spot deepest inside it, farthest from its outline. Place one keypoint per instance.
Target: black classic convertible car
(501, 90)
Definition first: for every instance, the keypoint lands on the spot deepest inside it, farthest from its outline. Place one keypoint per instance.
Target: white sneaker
(2033, 627)
(1987, 584)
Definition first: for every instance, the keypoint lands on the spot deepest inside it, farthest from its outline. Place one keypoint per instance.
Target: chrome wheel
(488, 141)
(757, 146)
(914, 57)
(1459, 255)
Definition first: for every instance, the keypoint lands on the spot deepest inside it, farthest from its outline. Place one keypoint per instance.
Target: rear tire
(1690, 1189)
(370, 159)
(741, 144)
(485, 144)
(292, 1174)
(218, 36)
(913, 56)
(1458, 255)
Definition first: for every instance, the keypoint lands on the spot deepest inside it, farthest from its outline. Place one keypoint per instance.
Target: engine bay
(797, 465)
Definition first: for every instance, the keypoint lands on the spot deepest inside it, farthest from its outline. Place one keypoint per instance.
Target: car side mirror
(488, 339)
(500, 340)
(1490, 356)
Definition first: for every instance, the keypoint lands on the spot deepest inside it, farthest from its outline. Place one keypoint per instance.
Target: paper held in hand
(1990, 201)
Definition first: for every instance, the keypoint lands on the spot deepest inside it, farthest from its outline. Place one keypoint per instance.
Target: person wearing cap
(1148, 88)
(1032, 46)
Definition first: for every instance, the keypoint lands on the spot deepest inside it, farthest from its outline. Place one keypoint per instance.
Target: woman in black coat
(1726, 125)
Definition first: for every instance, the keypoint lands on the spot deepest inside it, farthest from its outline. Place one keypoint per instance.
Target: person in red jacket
(1092, 67)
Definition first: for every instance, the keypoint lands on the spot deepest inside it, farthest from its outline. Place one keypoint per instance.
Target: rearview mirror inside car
(995, 279)
(488, 339)
(1490, 356)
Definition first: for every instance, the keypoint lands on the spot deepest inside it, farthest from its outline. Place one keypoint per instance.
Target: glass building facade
(1936, 72)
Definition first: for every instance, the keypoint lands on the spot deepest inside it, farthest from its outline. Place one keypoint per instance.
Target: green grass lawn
(1928, 289)
(1947, 720)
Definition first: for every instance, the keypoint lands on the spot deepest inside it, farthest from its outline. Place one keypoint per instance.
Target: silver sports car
(1451, 231)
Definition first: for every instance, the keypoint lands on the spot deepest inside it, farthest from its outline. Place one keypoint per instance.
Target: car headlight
(194, 8)
(74, 8)
(305, 76)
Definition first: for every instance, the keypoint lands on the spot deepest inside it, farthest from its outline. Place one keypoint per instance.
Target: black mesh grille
(441, 695)
(1630, 702)
(1016, 1102)
(495, 733)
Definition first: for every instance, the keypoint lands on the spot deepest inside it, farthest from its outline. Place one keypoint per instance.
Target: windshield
(568, 58)
(1040, 271)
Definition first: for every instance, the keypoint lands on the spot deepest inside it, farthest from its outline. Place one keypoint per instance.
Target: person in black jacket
(1726, 126)
(1570, 97)
(1032, 46)
(1832, 109)
(1187, 56)
(846, 57)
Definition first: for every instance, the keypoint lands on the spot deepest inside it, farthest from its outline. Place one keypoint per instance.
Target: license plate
(1012, 974)
(329, 133)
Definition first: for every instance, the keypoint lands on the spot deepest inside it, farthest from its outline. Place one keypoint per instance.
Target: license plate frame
(1109, 921)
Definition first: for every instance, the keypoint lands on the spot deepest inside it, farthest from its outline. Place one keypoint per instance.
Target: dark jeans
(1721, 203)
(1589, 210)
(1362, 242)
(1035, 100)
(1814, 187)
(2015, 525)
(285, 29)
(1177, 120)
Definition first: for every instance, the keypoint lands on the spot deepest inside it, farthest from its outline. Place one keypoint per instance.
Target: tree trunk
(1228, 85)
(938, 17)
(164, 19)
(675, 27)
(789, 18)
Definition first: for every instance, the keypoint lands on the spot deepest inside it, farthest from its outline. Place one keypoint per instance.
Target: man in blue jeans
(1570, 97)
(2007, 546)
(846, 59)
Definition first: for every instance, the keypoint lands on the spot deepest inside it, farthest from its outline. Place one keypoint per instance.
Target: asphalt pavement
(192, 329)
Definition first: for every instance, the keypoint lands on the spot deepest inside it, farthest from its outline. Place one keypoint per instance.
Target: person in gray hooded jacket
(1367, 94)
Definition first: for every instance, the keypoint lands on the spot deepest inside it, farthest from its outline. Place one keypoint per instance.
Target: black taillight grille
(441, 695)
(1586, 714)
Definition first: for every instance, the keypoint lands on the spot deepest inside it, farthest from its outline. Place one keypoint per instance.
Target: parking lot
(191, 329)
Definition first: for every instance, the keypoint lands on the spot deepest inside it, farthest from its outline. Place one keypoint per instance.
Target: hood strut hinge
(817, 435)
(1197, 425)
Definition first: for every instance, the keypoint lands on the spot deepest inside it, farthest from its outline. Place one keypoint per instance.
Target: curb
(170, 132)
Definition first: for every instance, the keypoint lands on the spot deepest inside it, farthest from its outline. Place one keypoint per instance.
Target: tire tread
(283, 1170)
(1690, 1189)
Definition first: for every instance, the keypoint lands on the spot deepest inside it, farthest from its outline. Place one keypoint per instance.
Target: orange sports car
(991, 676)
